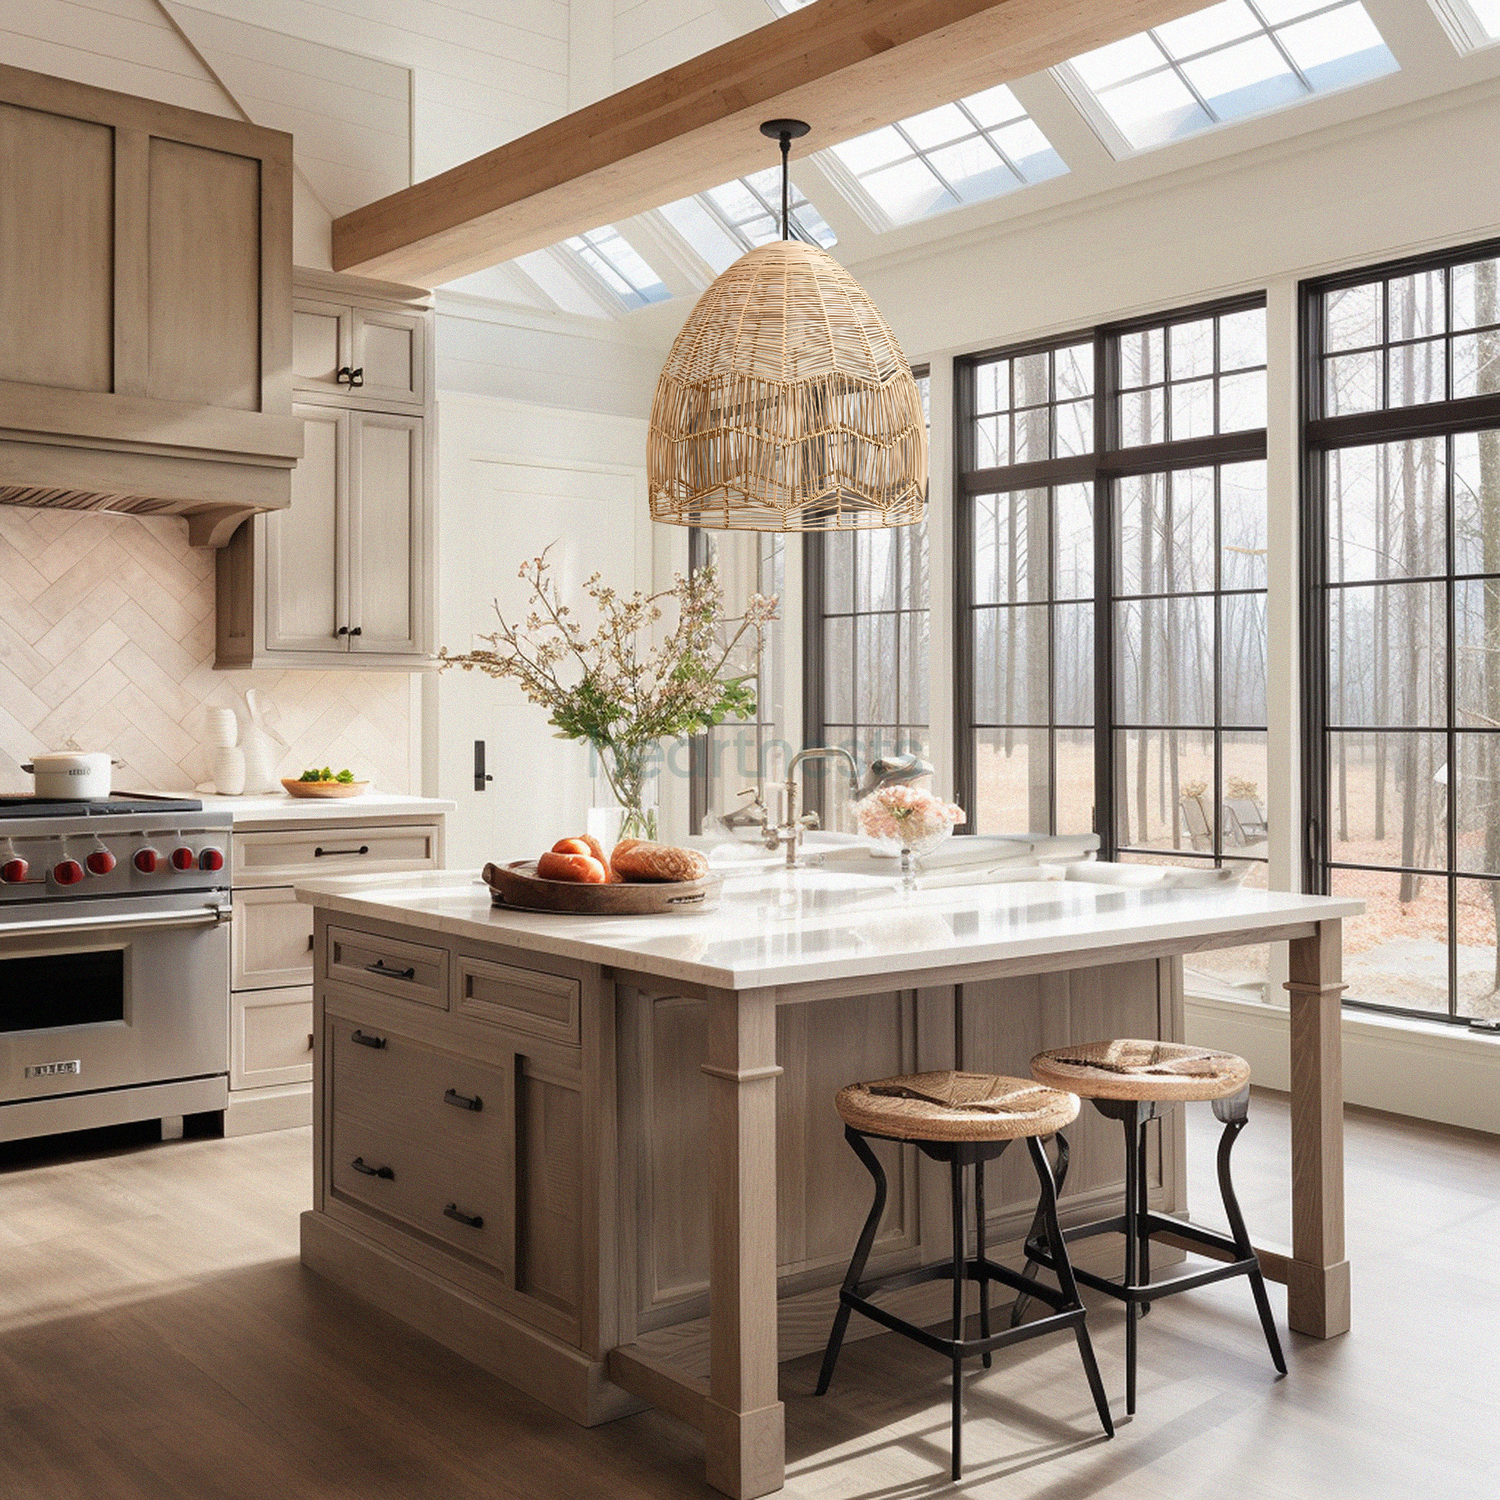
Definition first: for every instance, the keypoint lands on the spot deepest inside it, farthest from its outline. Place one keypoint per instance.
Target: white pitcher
(257, 741)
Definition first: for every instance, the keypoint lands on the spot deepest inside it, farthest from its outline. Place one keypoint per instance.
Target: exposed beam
(846, 66)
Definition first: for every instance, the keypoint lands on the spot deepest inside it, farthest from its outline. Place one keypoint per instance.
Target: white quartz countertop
(800, 926)
(282, 807)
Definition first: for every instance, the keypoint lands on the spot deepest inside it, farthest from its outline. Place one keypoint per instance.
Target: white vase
(259, 744)
(221, 728)
(229, 771)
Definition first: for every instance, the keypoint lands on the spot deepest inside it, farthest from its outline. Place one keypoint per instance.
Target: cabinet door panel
(204, 297)
(270, 1038)
(271, 944)
(56, 250)
(320, 345)
(386, 545)
(389, 349)
(305, 594)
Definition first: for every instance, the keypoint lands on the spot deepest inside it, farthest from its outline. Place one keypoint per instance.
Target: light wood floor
(159, 1341)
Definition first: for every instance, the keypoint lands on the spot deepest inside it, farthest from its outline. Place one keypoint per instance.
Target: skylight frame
(771, 206)
(1466, 28)
(590, 255)
(1090, 99)
(853, 183)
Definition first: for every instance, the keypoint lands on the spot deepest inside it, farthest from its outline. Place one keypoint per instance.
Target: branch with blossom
(610, 685)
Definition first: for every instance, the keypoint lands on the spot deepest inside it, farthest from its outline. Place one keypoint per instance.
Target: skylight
(1471, 23)
(611, 260)
(726, 221)
(1235, 59)
(960, 153)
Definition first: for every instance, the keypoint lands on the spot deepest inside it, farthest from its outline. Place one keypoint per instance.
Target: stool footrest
(962, 1348)
(974, 1270)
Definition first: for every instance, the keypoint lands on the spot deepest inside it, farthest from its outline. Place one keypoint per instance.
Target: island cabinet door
(823, 1194)
(460, 1146)
(1006, 1022)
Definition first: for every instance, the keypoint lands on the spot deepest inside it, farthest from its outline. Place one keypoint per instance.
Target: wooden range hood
(145, 307)
(847, 66)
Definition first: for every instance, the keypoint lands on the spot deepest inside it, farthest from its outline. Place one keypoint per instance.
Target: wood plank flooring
(160, 1341)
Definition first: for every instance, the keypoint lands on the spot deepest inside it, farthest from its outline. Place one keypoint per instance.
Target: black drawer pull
(321, 853)
(366, 1040)
(474, 1221)
(380, 967)
(461, 1101)
(365, 1170)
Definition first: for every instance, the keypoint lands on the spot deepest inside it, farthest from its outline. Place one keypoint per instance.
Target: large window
(1111, 632)
(868, 638)
(1403, 565)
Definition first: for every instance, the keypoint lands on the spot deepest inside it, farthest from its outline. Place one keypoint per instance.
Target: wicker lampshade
(786, 404)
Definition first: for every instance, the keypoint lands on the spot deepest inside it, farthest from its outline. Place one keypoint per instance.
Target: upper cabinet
(346, 576)
(146, 298)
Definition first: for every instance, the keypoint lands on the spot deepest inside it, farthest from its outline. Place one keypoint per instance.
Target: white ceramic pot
(73, 775)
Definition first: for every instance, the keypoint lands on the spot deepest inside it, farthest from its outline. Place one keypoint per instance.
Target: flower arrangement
(904, 816)
(625, 685)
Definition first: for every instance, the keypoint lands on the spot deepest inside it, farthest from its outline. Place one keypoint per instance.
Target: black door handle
(365, 1170)
(366, 1040)
(321, 853)
(481, 776)
(461, 1101)
(474, 1221)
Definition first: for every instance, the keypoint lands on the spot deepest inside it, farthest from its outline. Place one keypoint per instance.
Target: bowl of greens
(324, 783)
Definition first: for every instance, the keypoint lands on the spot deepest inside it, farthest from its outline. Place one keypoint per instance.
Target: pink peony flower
(903, 815)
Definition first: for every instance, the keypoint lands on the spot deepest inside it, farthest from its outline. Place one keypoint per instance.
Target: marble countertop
(800, 926)
(282, 807)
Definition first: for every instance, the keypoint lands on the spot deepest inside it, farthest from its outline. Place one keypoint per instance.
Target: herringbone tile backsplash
(107, 643)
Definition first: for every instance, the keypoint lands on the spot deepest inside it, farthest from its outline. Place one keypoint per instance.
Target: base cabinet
(271, 1027)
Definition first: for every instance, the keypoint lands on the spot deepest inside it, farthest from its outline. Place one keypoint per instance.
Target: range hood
(146, 303)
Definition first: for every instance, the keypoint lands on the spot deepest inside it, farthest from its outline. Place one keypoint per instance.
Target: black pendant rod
(785, 131)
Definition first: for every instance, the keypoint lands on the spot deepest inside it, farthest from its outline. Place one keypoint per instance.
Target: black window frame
(1320, 435)
(1100, 468)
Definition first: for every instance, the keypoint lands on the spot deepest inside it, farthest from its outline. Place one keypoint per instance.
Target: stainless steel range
(114, 962)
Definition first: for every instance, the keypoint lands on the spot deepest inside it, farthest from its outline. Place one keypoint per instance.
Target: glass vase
(625, 792)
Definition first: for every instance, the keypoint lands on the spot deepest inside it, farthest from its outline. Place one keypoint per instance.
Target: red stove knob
(211, 859)
(146, 861)
(100, 862)
(67, 872)
(13, 871)
(183, 859)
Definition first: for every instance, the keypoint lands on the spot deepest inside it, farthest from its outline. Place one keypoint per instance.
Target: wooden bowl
(517, 884)
(324, 788)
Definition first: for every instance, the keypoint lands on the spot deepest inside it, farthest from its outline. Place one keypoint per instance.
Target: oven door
(111, 994)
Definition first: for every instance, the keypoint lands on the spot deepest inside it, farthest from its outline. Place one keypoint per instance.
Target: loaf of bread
(637, 859)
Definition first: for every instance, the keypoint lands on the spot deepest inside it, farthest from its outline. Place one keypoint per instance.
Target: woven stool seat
(1129, 1069)
(955, 1107)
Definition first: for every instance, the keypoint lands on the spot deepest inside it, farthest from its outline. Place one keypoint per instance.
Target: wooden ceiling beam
(845, 66)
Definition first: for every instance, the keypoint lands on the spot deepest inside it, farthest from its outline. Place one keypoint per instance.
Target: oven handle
(207, 916)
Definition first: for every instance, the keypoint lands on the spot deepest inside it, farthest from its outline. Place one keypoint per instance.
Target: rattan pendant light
(786, 403)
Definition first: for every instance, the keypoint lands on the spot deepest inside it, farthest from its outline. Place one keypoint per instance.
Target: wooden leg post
(1318, 1274)
(744, 1426)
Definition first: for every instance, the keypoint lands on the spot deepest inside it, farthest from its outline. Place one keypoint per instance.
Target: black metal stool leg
(1234, 1112)
(1133, 1132)
(1058, 1247)
(1143, 1208)
(861, 1148)
(984, 1280)
(960, 1255)
(1059, 1175)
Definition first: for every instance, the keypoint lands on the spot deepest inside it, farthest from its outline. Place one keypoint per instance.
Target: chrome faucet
(788, 833)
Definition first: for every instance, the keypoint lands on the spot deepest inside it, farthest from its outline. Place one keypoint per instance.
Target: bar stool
(1133, 1082)
(964, 1119)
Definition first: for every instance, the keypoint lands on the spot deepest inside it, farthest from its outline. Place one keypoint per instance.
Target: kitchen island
(571, 1148)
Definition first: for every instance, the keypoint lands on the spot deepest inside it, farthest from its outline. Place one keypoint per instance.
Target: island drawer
(285, 856)
(453, 1105)
(459, 1202)
(270, 1038)
(387, 966)
(526, 1000)
(271, 940)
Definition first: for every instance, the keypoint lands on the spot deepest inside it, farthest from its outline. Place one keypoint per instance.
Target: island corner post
(743, 1416)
